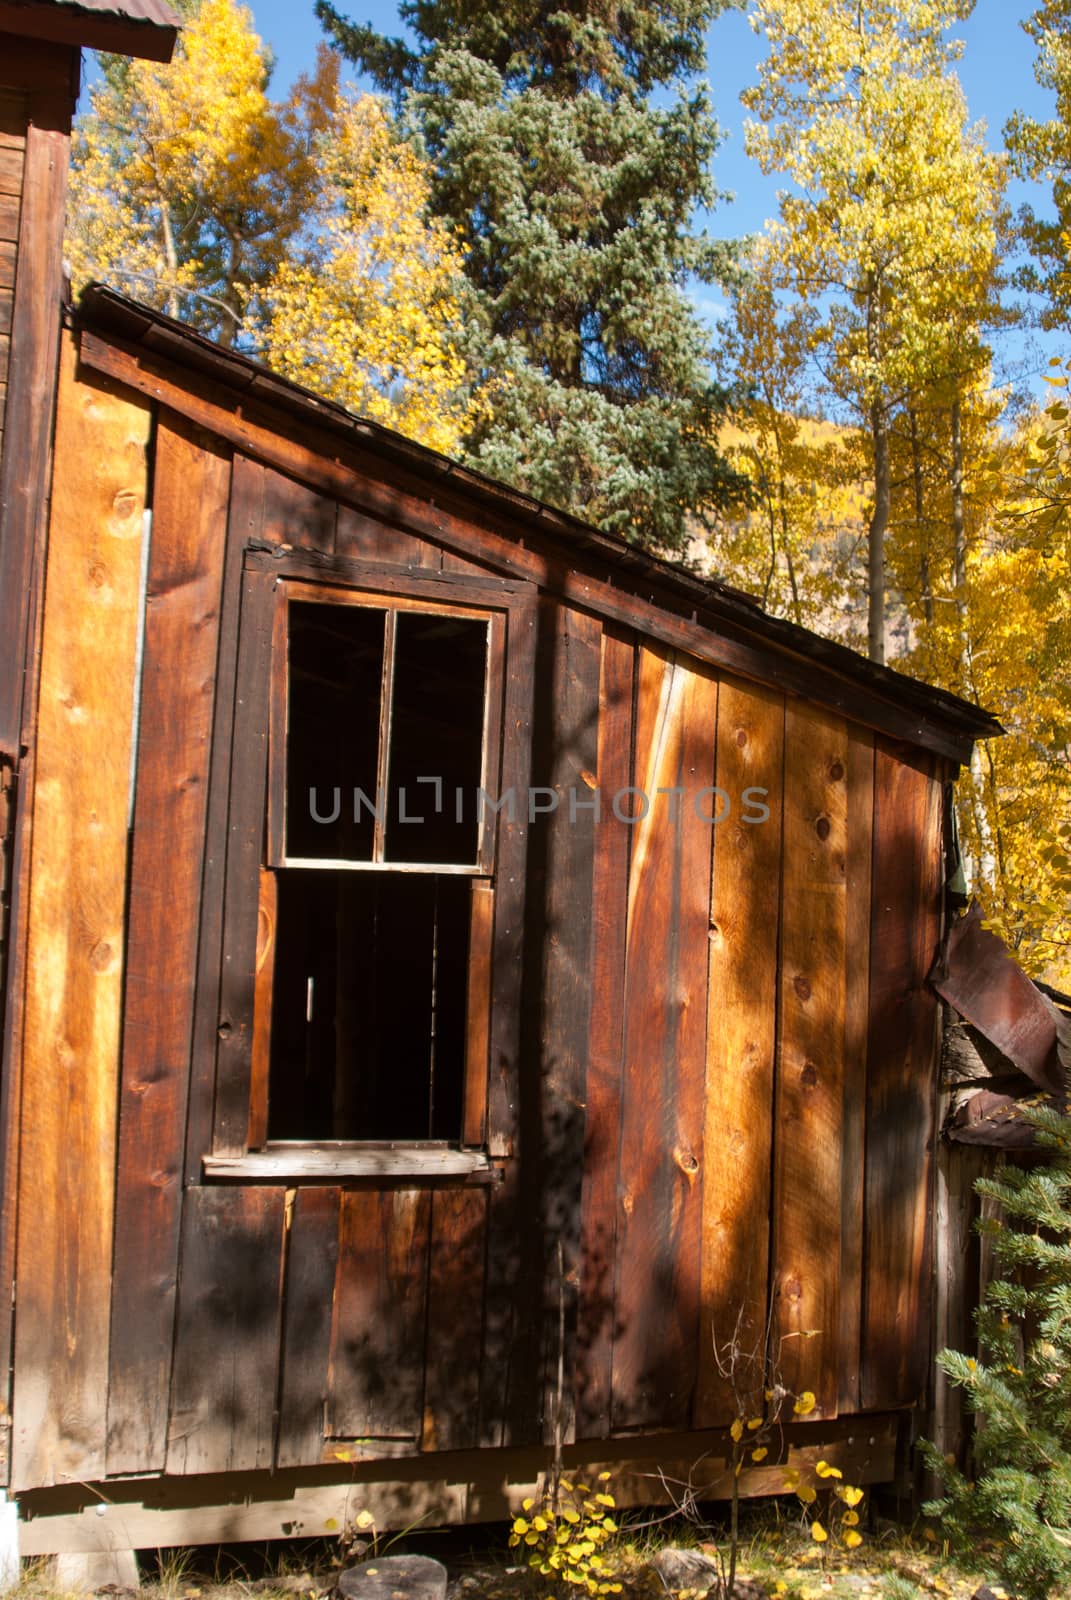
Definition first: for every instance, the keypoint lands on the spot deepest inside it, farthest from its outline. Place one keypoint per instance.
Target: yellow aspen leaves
(760, 1454)
(818, 1533)
(804, 1404)
(736, 1432)
(295, 229)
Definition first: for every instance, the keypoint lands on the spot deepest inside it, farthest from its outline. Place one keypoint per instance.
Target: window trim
(290, 591)
(238, 1147)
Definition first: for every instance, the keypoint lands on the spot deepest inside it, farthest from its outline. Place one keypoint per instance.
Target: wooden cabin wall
(719, 1097)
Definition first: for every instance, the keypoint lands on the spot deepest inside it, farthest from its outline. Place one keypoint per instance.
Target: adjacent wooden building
(448, 948)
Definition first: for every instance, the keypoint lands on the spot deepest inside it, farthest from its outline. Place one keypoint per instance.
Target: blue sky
(996, 71)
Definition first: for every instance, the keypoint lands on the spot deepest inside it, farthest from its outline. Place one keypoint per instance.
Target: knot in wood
(125, 503)
(100, 957)
(822, 827)
(836, 771)
(741, 737)
(802, 987)
(686, 1161)
(809, 1075)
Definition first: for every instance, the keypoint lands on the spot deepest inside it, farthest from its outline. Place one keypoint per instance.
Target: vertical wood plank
(658, 1254)
(562, 856)
(810, 1066)
(378, 1339)
(190, 489)
(263, 988)
(602, 1140)
(956, 1284)
(505, 1219)
(856, 1011)
(741, 1043)
(31, 268)
(311, 1270)
(455, 1309)
(31, 392)
(223, 1391)
(294, 514)
(478, 1014)
(245, 849)
(901, 1071)
(245, 519)
(78, 880)
(364, 537)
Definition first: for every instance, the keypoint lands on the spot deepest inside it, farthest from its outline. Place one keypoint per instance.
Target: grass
(777, 1558)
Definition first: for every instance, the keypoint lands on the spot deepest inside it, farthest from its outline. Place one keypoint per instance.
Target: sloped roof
(932, 718)
(146, 28)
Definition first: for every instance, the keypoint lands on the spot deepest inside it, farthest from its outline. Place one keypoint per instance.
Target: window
(379, 815)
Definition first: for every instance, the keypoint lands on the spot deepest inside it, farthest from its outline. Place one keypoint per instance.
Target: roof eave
(108, 311)
(89, 29)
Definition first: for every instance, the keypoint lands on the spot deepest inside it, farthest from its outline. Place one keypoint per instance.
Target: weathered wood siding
(13, 118)
(710, 1049)
(78, 883)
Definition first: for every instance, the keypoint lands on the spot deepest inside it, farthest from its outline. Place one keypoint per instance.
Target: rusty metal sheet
(986, 985)
(997, 1121)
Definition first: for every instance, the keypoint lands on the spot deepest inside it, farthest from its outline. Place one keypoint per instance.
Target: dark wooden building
(434, 925)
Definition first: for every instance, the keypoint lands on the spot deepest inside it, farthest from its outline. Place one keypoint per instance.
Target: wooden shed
(448, 948)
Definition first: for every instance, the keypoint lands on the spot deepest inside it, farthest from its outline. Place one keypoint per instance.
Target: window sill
(335, 1161)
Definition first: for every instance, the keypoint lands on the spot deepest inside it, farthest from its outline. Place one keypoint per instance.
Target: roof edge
(150, 36)
(105, 310)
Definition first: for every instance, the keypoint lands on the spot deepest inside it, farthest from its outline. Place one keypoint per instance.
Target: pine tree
(572, 178)
(1021, 1392)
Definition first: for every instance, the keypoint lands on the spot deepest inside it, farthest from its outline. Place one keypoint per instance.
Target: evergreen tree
(571, 147)
(1021, 1391)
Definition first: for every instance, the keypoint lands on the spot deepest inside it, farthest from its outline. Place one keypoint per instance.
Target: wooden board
(808, 1115)
(656, 1345)
(245, 523)
(372, 540)
(245, 846)
(295, 515)
(455, 1317)
(602, 1138)
(190, 488)
(224, 1381)
(75, 956)
(31, 380)
(741, 1042)
(901, 1078)
(311, 1271)
(473, 1486)
(377, 1342)
(560, 866)
(858, 868)
(505, 1218)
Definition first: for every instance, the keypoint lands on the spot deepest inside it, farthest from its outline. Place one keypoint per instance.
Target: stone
(687, 1569)
(394, 1578)
(96, 1572)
